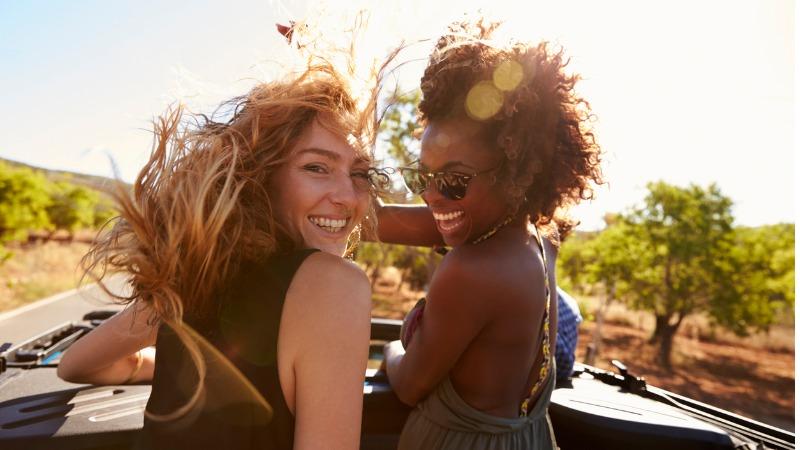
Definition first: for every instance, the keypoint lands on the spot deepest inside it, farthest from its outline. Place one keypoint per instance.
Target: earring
(352, 246)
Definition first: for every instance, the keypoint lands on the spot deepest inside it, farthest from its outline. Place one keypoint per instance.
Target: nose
(431, 194)
(345, 193)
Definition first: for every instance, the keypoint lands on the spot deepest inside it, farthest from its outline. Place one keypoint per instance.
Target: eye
(360, 178)
(360, 173)
(316, 168)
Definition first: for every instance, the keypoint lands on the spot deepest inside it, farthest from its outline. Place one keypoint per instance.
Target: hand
(391, 350)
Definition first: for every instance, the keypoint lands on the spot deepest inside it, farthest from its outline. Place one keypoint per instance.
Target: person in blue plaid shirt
(569, 316)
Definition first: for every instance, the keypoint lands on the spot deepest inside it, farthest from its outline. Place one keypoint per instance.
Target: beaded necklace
(493, 231)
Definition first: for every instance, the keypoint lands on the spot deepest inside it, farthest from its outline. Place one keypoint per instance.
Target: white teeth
(446, 228)
(327, 224)
(448, 216)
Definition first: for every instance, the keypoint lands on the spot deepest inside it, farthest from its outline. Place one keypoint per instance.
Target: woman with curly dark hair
(505, 149)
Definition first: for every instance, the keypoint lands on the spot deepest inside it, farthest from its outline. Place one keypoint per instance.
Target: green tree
(417, 265)
(683, 238)
(398, 135)
(761, 286)
(678, 254)
(72, 207)
(24, 199)
(104, 211)
(572, 262)
(399, 128)
(599, 260)
(376, 255)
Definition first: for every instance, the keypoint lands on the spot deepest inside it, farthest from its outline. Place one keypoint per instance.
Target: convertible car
(595, 409)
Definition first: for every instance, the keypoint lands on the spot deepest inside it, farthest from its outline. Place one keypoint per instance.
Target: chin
(334, 248)
(460, 237)
(452, 241)
(335, 245)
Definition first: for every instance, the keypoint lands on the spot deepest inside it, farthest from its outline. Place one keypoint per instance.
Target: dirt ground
(754, 382)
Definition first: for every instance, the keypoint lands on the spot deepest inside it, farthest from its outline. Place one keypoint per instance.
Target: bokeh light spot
(483, 101)
(507, 75)
(442, 139)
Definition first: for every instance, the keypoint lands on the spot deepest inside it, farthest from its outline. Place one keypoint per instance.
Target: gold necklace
(493, 231)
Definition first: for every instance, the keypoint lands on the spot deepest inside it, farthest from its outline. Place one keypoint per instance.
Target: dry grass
(37, 271)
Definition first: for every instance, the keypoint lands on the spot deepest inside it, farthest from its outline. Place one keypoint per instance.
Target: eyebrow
(359, 159)
(320, 151)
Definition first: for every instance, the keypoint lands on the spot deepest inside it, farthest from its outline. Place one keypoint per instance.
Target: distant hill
(102, 184)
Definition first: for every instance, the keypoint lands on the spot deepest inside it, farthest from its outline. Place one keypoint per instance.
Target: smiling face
(453, 145)
(321, 193)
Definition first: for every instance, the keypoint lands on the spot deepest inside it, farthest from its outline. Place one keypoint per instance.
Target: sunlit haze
(683, 91)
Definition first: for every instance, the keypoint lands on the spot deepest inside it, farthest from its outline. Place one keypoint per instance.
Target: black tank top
(245, 331)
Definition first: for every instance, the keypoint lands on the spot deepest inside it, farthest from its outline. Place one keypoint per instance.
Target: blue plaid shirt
(569, 316)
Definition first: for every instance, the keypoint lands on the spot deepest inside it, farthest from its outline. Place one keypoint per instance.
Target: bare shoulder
(502, 271)
(467, 277)
(326, 281)
(493, 265)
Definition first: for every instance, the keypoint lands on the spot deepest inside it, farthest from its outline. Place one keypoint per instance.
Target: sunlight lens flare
(212, 385)
(507, 75)
(483, 101)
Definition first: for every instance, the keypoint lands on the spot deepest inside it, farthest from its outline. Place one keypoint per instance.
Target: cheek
(362, 205)
(491, 202)
(288, 199)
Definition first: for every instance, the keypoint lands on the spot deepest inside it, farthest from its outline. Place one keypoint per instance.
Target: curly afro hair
(524, 105)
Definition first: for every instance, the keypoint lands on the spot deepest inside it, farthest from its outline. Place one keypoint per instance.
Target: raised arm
(324, 337)
(116, 352)
(407, 225)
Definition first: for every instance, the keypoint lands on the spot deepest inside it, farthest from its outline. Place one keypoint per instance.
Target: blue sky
(687, 92)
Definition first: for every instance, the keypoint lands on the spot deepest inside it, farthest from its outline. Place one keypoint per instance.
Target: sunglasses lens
(415, 181)
(452, 186)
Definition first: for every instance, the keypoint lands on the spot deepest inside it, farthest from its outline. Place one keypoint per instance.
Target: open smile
(449, 220)
(331, 225)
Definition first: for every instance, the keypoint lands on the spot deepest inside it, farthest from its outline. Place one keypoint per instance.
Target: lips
(448, 221)
(329, 224)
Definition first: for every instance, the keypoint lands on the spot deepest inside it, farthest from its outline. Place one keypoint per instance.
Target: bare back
(498, 367)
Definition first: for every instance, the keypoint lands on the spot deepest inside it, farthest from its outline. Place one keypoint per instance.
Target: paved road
(26, 321)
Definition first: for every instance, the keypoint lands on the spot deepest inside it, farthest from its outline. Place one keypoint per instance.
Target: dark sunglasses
(452, 185)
